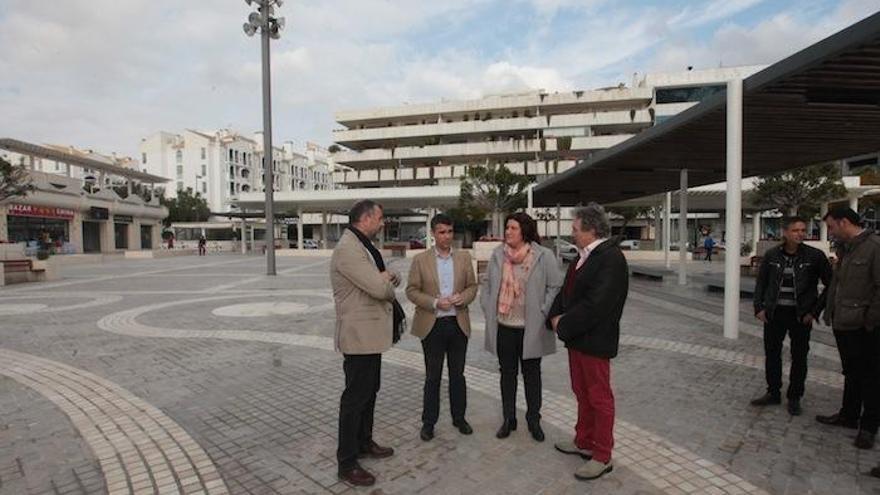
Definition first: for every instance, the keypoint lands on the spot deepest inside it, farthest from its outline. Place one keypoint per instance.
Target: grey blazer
(543, 283)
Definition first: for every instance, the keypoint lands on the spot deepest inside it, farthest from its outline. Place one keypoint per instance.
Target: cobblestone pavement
(200, 375)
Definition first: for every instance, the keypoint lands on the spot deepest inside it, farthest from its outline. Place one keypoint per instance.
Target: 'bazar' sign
(39, 211)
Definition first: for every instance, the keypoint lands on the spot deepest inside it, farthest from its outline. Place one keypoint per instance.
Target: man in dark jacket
(853, 311)
(787, 300)
(586, 317)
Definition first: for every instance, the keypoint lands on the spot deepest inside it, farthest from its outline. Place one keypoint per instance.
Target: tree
(545, 215)
(628, 214)
(495, 190)
(14, 180)
(801, 191)
(186, 207)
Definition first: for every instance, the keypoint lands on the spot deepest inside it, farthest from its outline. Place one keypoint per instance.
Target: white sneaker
(569, 447)
(593, 469)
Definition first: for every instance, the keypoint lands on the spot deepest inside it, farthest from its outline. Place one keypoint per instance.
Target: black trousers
(785, 321)
(356, 407)
(860, 358)
(510, 352)
(446, 340)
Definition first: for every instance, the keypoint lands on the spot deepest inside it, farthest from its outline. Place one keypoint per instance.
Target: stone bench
(647, 273)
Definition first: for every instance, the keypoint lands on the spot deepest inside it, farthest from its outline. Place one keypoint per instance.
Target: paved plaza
(201, 375)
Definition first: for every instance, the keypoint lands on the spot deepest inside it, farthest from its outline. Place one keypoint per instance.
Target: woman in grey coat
(522, 280)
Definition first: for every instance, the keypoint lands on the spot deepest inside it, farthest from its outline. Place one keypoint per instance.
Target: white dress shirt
(585, 252)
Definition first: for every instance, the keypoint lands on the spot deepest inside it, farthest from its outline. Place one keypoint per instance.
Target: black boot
(507, 426)
(767, 399)
(536, 431)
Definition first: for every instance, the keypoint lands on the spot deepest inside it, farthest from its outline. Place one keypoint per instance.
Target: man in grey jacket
(853, 311)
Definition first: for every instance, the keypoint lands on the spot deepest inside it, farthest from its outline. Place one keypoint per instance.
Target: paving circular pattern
(20, 309)
(251, 310)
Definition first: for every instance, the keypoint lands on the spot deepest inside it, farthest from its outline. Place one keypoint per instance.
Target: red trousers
(591, 383)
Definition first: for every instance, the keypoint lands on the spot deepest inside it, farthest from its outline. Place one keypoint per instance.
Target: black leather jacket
(810, 266)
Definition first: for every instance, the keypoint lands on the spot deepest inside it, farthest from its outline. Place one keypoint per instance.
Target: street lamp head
(249, 29)
(280, 23)
(255, 19)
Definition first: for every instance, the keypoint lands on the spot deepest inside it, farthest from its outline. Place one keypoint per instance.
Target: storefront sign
(123, 219)
(96, 213)
(39, 211)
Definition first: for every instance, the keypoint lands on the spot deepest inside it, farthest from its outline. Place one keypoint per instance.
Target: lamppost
(269, 27)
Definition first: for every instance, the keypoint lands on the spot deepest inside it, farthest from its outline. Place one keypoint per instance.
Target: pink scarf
(510, 286)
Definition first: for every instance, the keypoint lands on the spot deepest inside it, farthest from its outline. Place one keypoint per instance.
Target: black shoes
(767, 399)
(507, 426)
(427, 433)
(838, 420)
(357, 476)
(794, 407)
(865, 439)
(536, 431)
(463, 427)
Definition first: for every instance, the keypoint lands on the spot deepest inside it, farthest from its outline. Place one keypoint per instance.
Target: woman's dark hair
(527, 226)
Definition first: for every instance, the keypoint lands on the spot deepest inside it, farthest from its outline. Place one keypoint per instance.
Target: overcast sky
(102, 74)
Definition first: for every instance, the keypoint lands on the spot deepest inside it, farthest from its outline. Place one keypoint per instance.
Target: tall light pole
(269, 27)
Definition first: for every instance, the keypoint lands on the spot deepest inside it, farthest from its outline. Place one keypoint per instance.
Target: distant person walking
(709, 246)
(787, 301)
(522, 280)
(442, 284)
(853, 311)
(363, 291)
(203, 245)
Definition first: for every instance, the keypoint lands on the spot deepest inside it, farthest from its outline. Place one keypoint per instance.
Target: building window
(179, 171)
(180, 185)
(232, 189)
(686, 95)
(204, 188)
(230, 155)
(179, 156)
(204, 153)
(144, 158)
(204, 170)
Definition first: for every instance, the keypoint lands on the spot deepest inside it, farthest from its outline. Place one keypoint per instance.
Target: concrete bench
(23, 270)
(746, 288)
(647, 273)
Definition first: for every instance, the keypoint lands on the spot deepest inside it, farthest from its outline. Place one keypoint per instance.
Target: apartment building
(222, 164)
(535, 133)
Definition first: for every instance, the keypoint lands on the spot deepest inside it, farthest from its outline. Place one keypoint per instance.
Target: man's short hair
(844, 213)
(787, 222)
(593, 217)
(361, 208)
(441, 219)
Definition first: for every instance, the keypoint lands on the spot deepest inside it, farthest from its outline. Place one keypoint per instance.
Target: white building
(534, 133)
(222, 164)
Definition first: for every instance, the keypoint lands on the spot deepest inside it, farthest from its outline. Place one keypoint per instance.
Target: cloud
(105, 73)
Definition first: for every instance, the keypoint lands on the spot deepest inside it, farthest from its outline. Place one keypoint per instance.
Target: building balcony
(575, 101)
(626, 120)
(430, 175)
(519, 149)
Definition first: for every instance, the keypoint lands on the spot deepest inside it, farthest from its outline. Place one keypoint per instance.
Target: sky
(103, 74)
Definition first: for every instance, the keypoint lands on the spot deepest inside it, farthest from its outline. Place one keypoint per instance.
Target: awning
(818, 105)
(338, 200)
(45, 153)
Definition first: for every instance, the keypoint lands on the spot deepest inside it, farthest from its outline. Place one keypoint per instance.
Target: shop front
(121, 227)
(40, 227)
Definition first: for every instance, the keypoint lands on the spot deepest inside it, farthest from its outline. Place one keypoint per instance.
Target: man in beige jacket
(441, 285)
(363, 291)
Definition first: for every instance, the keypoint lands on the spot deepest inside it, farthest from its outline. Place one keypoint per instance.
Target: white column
(667, 228)
(733, 207)
(324, 229)
(558, 231)
(854, 202)
(682, 227)
(530, 205)
(300, 220)
(243, 235)
(823, 227)
(756, 231)
(428, 239)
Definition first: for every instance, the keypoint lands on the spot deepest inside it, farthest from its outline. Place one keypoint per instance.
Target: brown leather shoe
(375, 451)
(357, 476)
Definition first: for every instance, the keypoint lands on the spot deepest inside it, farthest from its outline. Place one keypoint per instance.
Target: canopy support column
(734, 208)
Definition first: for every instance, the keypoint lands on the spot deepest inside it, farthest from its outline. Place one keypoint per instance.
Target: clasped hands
(446, 303)
(392, 277)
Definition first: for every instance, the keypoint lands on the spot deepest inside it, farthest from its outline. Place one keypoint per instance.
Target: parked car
(415, 243)
(307, 244)
(567, 251)
(629, 244)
